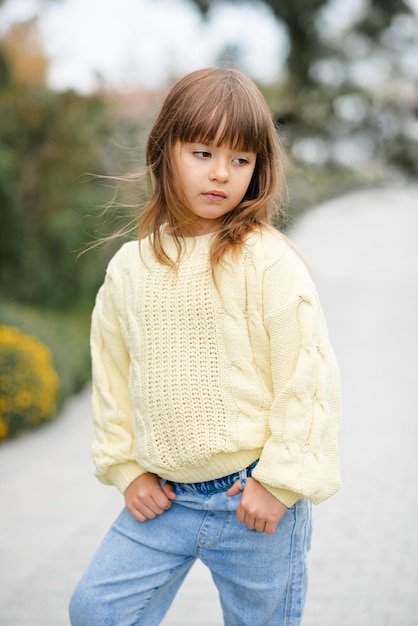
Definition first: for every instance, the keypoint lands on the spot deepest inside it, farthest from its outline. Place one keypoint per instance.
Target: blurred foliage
(49, 142)
(48, 206)
(28, 383)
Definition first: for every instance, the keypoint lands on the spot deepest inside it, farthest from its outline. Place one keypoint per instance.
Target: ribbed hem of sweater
(221, 465)
(288, 498)
(121, 476)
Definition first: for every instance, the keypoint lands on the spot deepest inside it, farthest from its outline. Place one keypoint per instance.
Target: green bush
(29, 383)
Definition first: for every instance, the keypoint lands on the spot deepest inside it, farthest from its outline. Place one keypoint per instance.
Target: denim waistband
(218, 484)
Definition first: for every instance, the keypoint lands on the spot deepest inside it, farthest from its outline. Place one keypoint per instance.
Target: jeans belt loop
(243, 477)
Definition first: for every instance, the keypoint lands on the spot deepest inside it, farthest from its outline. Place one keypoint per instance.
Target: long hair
(197, 107)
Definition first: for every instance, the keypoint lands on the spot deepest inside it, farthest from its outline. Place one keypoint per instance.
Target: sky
(147, 42)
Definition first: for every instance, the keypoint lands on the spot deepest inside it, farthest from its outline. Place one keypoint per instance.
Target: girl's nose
(219, 171)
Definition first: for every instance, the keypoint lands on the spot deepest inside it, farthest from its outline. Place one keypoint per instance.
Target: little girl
(216, 393)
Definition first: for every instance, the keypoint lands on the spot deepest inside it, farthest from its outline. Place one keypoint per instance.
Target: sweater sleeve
(113, 448)
(300, 457)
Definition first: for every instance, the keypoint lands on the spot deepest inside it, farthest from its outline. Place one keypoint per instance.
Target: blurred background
(80, 83)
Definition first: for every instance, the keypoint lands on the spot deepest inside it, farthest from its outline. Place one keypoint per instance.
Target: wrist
(285, 497)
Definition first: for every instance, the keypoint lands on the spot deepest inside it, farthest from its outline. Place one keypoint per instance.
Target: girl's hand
(258, 509)
(145, 498)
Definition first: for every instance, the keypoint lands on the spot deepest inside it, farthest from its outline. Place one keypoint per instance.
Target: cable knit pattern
(194, 383)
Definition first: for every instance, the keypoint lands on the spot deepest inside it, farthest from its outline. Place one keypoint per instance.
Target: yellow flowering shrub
(29, 384)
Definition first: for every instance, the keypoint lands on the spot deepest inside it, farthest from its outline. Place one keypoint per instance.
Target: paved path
(364, 559)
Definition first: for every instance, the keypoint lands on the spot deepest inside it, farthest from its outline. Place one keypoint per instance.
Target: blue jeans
(136, 572)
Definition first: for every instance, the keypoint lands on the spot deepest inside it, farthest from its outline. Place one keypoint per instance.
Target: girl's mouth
(214, 195)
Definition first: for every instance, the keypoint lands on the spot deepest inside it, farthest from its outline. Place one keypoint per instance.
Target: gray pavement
(364, 559)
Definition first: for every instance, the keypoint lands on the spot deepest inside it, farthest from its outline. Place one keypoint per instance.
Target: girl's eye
(202, 154)
(241, 161)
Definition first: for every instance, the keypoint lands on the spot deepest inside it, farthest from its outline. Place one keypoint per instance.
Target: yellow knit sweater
(194, 383)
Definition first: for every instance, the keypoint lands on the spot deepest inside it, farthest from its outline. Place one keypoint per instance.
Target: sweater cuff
(121, 476)
(288, 498)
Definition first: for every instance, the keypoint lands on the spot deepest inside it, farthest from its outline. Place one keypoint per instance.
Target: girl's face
(213, 180)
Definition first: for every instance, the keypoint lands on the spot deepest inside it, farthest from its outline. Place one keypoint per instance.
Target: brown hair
(195, 109)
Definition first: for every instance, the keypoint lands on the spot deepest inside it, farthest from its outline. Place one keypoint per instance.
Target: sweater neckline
(202, 237)
(192, 242)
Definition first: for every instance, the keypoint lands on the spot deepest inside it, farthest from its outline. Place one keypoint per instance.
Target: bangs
(226, 114)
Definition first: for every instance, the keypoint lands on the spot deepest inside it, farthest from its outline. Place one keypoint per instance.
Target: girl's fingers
(235, 489)
(169, 491)
(259, 525)
(140, 514)
(149, 510)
